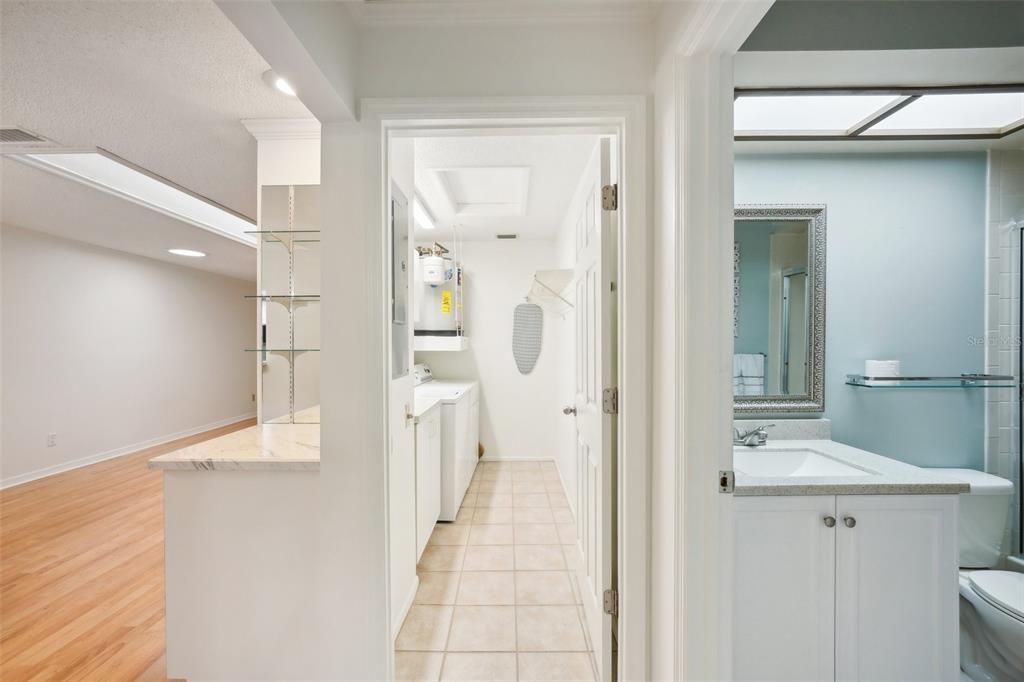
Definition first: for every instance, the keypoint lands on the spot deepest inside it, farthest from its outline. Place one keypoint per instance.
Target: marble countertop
(287, 447)
(889, 477)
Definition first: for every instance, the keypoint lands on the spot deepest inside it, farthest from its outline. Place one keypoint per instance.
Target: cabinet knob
(830, 521)
(569, 410)
(849, 521)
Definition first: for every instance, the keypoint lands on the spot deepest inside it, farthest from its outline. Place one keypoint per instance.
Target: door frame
(626, 118)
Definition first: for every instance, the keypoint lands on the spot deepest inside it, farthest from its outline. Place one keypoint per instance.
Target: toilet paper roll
(881, 368)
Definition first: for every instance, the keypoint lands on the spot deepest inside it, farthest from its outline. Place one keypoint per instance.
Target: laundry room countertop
(287, 447)
(422, 405)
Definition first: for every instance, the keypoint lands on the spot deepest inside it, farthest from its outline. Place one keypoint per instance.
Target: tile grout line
(455, 602)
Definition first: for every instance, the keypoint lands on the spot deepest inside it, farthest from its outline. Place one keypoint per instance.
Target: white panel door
(402, 451)
(595, 371)
(897, 600)
(784, 590)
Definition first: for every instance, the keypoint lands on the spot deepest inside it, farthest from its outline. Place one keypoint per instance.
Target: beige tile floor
(498, 598)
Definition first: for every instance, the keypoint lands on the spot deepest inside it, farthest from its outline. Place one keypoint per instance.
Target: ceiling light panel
(989, 112)
(486, 191)
(824, 114)
(107, 173)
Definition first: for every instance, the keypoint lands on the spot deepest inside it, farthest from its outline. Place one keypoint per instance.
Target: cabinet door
(783, 602)
(896, 588)
(433, 482)
(423, 523)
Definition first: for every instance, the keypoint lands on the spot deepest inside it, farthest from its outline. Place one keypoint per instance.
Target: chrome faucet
(753, 437)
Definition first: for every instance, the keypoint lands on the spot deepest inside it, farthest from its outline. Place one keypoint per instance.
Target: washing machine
(460, 433)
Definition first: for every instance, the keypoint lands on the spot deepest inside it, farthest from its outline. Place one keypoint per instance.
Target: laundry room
(499, 223)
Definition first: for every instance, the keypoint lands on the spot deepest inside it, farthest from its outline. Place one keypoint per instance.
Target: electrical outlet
(51, 440)
(254, 397)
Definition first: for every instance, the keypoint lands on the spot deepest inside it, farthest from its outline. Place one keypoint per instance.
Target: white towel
(749, 365)
(747, 386)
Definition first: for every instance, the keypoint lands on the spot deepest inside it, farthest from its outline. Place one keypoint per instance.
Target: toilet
(991, 601)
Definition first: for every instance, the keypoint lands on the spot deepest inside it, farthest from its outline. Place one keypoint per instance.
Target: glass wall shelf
(282, 231)
(288, 304)
(961, 381)
(285, 297)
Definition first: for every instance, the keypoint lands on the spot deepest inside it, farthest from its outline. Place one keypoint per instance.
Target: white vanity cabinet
(849, 587)
(428, 475)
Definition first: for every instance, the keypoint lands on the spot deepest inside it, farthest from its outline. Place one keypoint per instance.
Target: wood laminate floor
(82, 571)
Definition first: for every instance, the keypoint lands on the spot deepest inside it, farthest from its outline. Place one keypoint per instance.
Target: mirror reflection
(771, 308)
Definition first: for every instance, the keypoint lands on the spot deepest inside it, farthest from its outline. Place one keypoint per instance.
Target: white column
(356, 641)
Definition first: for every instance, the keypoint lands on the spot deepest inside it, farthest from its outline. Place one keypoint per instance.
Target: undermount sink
(780, 463)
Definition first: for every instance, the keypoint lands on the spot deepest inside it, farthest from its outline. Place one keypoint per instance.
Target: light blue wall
(904, 281)
(754, 241)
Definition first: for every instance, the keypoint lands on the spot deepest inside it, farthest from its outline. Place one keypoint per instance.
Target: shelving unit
(962, 381)
(288, 301)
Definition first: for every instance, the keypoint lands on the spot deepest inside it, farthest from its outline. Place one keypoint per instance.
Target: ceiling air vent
(508, 236)
(20, 136)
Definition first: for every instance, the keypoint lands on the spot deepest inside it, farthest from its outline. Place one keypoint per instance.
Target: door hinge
(610, 401)
(611, 602)
(726, 481)
(610, 197)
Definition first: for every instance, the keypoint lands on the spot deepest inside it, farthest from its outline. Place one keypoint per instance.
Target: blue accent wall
(904, 281)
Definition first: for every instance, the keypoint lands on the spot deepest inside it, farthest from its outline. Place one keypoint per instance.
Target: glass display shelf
(960, 381)
(288, 297)
(288, 238)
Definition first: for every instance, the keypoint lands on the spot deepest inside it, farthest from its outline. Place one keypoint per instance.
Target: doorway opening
(504, 280)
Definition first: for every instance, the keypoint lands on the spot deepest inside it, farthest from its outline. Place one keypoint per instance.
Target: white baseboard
(396, 625)
(116, 452)
(499, 458)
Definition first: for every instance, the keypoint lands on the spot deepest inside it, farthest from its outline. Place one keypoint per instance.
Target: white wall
(520, 415)
(114, 352)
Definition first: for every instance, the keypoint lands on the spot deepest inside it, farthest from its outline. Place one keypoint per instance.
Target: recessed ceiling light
(188, 253)
(278, 83)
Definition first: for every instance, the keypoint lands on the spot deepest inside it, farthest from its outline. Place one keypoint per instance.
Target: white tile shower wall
(1002, 317)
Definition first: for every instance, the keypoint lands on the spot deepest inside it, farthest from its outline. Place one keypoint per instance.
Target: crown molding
(283, 128)
(474, 12)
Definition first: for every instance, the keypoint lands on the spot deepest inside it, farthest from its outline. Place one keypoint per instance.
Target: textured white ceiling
(163, 84)
(35, 199)
(555, 164)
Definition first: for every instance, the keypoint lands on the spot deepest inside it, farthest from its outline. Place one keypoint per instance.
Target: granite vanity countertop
(889, 476)
(286, 447)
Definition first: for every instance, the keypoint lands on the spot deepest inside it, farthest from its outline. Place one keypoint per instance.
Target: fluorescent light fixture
(278, 83)
(109, 173)
(188, 253)
(984, 111)
(421, 215)
(806, 113)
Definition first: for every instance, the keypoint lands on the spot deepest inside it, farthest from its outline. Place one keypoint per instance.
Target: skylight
(987, 112)
(810, 113)
(973, 111)
(107, 172)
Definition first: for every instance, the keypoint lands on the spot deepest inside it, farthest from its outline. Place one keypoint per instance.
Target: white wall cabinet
(428, 476)
(871, 597)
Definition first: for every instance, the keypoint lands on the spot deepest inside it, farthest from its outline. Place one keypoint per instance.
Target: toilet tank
(984, 515)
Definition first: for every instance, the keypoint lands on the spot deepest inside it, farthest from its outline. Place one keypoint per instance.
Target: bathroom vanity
(845, 566)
